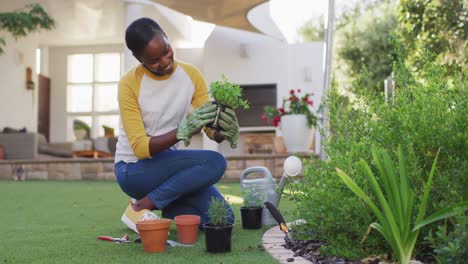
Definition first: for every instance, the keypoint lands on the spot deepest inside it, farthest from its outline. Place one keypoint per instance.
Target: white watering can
(266, 187)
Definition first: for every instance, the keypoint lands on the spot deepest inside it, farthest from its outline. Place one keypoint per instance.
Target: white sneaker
(130, 217)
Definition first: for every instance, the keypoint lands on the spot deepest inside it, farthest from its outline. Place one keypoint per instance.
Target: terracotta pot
(153, 234)
(187, 228)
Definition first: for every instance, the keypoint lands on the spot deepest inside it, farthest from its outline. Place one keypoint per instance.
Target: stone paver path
(272, 241)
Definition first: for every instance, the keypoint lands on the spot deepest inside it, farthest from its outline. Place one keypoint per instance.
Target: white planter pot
(296, 134)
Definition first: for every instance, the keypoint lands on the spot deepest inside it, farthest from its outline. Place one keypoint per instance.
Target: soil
(310, 250)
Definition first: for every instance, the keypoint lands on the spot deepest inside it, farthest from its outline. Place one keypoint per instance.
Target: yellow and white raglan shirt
(153, 105)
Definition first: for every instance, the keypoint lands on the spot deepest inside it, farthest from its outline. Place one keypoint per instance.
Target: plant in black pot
(218, 231)
(251, 211)
(226, 94)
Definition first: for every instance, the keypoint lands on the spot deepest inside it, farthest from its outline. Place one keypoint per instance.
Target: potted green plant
(218, 231)
(252, 208)
(226, 94)
(108, 131)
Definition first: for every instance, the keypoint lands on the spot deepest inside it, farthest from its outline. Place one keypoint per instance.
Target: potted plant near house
(218, 231)
(251, 211)
(226, 94)
(108, 131)
(295, 119)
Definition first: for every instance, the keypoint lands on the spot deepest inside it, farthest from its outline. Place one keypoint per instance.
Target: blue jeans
(176, 181)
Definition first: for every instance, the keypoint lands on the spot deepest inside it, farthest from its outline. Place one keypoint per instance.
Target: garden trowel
(282, 224)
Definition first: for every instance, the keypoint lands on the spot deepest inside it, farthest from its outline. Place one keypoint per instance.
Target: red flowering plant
(294, 105)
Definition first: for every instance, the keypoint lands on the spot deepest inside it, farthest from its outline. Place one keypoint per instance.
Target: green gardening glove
(229, 126)
(195, 121)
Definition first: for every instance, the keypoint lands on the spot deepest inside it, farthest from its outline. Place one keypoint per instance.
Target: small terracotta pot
(153, 234)
(187, 228)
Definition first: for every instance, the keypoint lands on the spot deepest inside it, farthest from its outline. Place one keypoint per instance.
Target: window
(92, 81)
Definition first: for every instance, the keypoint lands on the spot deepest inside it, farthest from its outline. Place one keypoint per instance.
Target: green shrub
(450, 241)
(395, 202)
(428, 112)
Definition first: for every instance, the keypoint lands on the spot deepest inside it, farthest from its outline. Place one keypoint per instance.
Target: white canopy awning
(228, 13)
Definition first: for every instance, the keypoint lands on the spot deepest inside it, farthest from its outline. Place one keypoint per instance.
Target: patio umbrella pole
(328, 59)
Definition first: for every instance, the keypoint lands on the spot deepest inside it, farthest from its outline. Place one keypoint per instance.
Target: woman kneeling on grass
(155, 102)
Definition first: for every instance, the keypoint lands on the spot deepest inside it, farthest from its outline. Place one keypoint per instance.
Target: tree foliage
(20, 23)
(438, 26)
(313, 30)
(364, 40)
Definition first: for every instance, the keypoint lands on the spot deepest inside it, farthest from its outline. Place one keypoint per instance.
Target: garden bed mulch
(310, 250)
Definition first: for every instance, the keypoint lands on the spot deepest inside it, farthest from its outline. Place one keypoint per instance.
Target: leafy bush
(395, 202)
(450, 242)
(438, 26)
(427, 112)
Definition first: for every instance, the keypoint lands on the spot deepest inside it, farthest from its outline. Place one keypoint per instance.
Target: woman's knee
(217, 162)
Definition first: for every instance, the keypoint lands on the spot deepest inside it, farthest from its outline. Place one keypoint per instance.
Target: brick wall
(103, 168)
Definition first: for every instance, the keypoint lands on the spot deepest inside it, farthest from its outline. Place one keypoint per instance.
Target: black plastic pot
(251, 217)
(218, 238)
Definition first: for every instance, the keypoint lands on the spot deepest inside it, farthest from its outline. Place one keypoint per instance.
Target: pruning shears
(282, 224)
(117, 240)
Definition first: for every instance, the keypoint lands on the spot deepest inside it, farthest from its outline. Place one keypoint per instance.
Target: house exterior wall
(248, 58)
(244, 57)
(18, 106)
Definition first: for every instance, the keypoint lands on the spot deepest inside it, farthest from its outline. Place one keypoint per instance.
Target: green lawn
(58, 222)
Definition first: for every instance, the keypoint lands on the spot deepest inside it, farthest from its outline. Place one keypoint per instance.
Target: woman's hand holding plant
(195, 121)
(229, 126)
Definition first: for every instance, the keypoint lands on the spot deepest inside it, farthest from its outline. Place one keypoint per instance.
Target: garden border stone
(273, 241)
